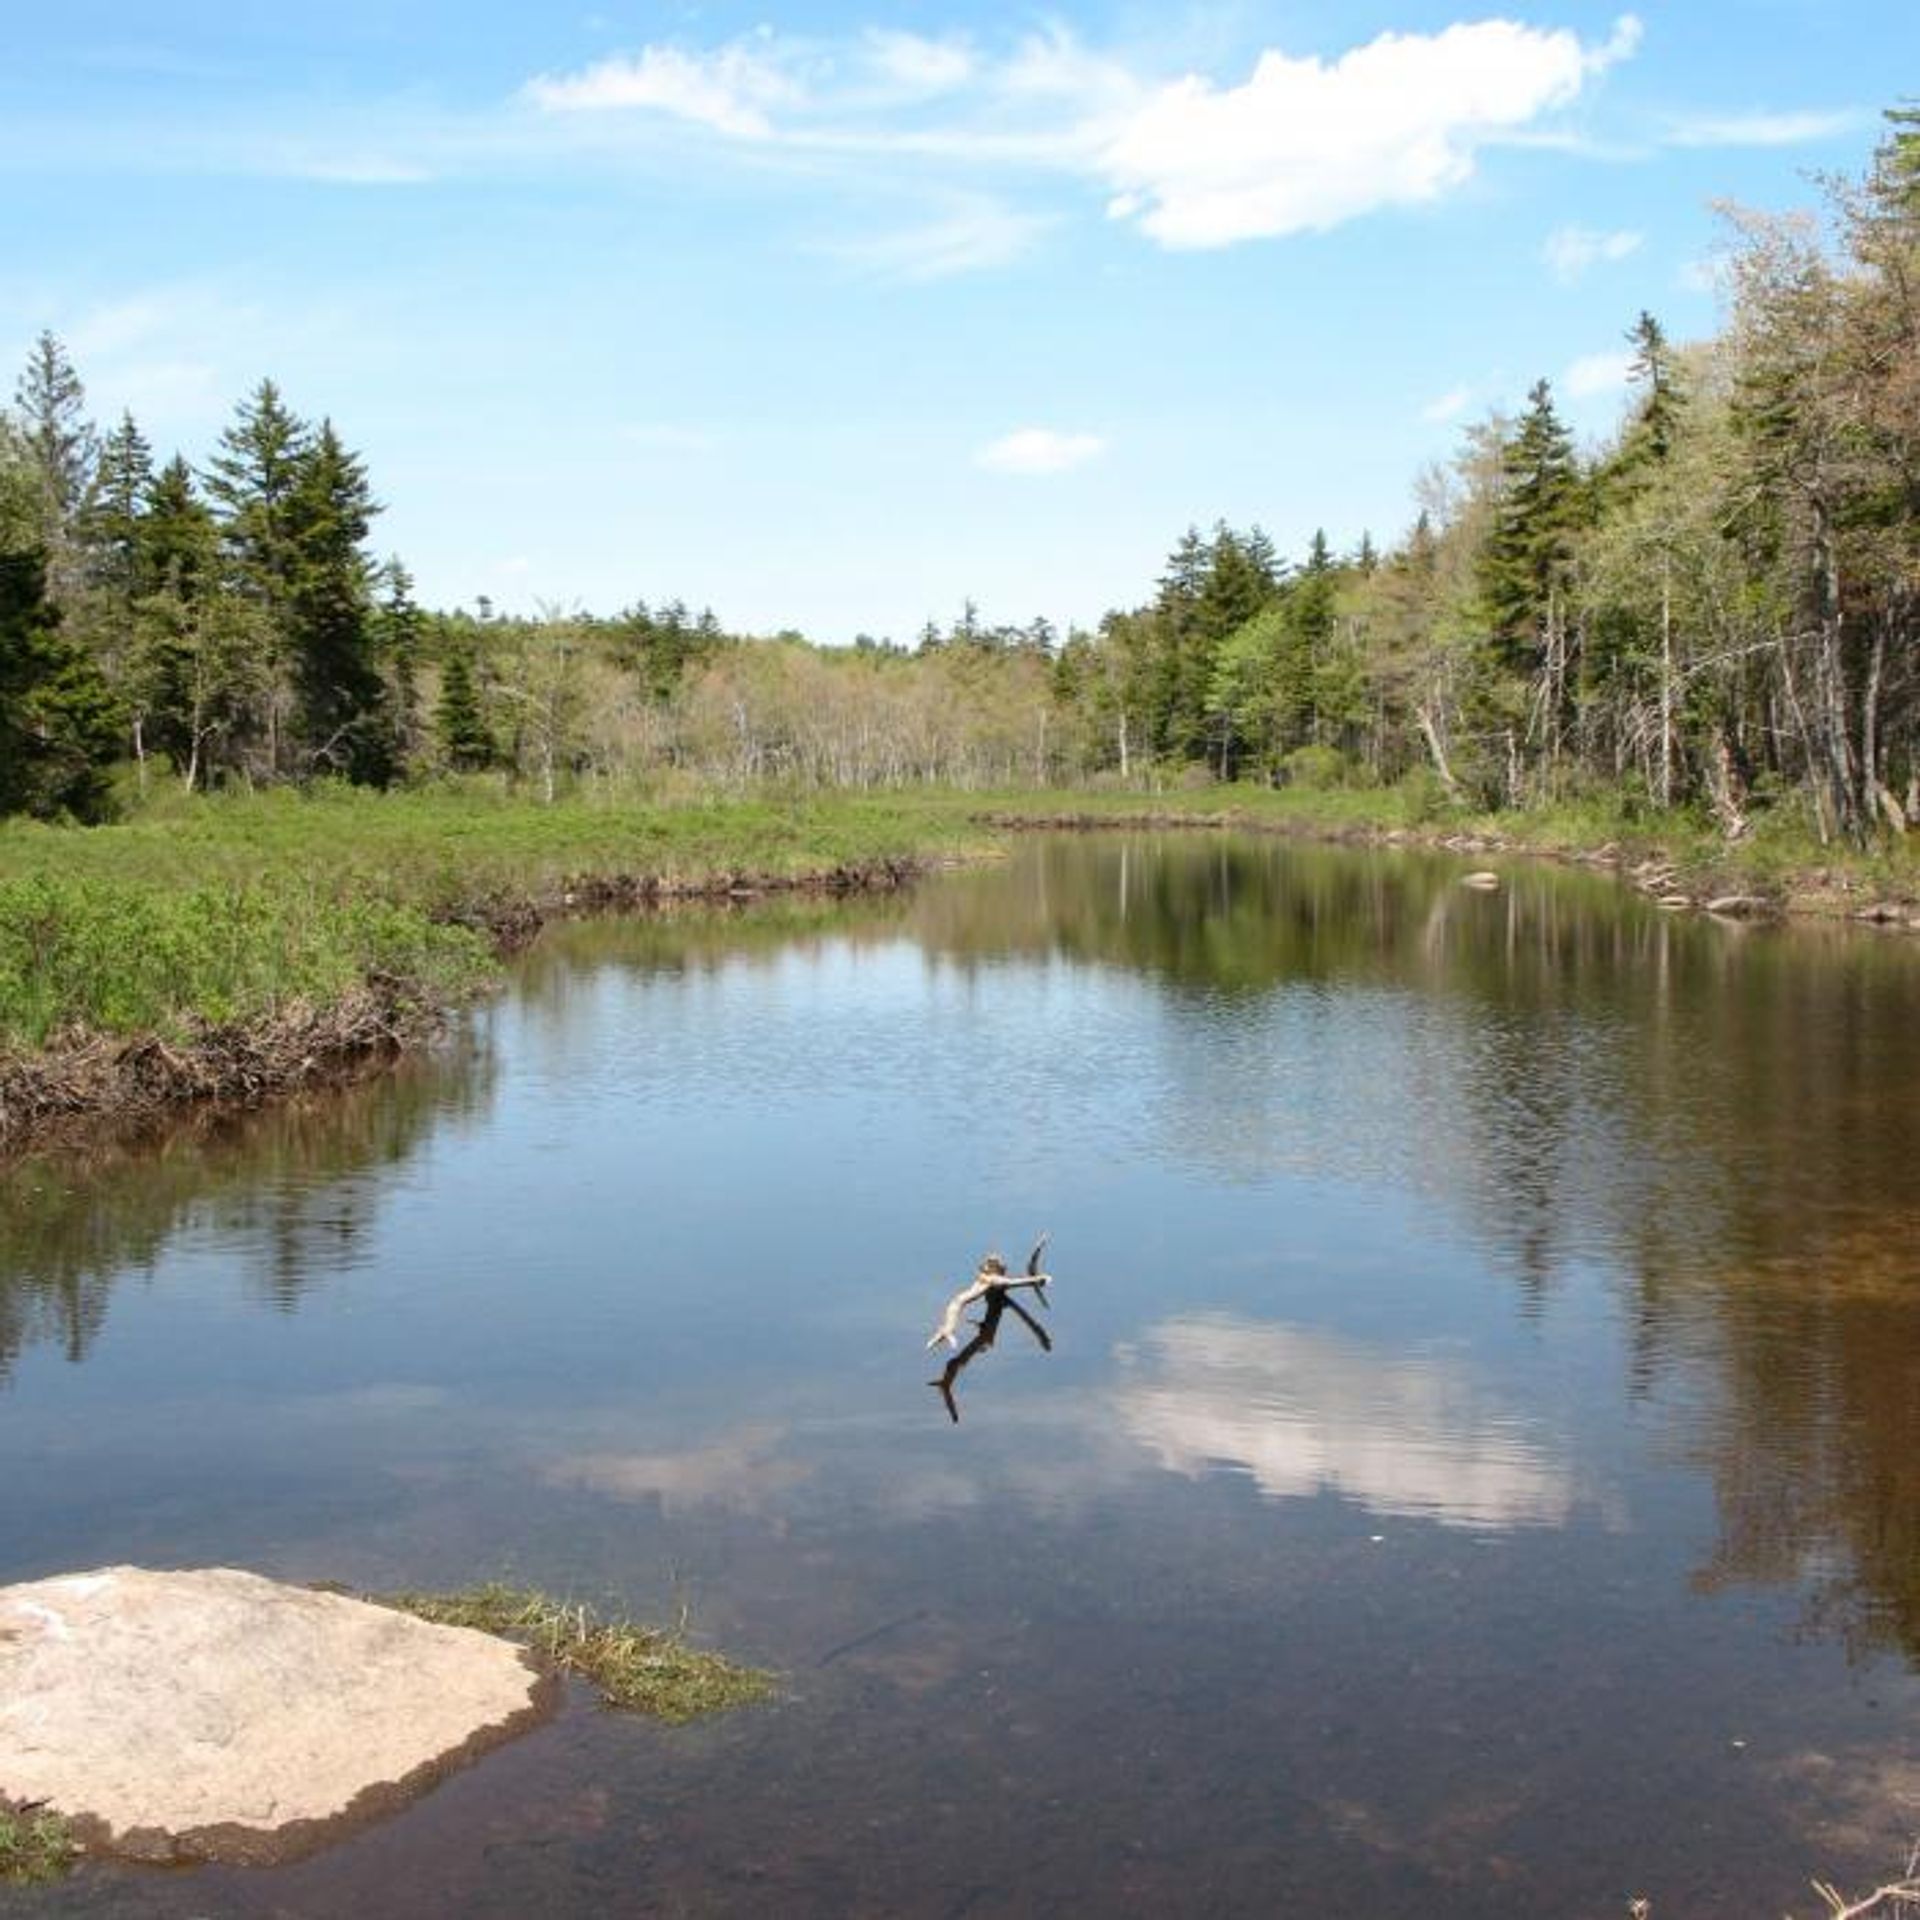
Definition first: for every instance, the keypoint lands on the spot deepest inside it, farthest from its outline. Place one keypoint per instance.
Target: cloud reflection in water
(1302, 1413)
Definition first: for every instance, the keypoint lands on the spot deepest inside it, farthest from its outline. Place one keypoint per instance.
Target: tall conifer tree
(340, 697)
(63, 450)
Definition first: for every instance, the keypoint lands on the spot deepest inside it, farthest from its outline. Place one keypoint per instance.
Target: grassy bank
(239, 946)
(243, 945)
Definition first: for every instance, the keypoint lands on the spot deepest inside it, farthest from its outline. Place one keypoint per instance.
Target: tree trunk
(1429, 732)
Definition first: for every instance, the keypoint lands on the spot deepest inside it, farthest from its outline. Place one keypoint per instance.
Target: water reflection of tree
(1802, 1279)
(698, 937)
(1728, 1119)
(301, 1180)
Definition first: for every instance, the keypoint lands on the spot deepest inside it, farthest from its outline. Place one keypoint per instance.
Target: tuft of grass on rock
(643, 1669)
(35, 1847)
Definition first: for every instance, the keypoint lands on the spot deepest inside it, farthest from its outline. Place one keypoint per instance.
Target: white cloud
(1594, 374)
(975, 234)
(1305, 144)
(916, 65)
(1055, 66)
(1621, 44)
(1572, 252)
(732, 90)
(1765, 129)
(1036, 450)
(1302, 143)
(1447, 406)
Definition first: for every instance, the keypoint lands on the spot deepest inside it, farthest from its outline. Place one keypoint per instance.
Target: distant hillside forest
(1715, 610)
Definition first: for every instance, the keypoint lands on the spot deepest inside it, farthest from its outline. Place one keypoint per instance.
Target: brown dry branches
(92, 1079)
(1897, 1896)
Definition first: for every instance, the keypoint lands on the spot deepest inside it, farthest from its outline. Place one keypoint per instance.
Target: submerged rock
(218, 1715)
(1486, 882)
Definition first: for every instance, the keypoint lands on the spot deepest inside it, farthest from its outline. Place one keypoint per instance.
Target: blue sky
(834, 316)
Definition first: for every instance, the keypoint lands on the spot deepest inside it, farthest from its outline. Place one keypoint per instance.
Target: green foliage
(92, 956)
(208, 910)
(59, 721)
(1317, 769)
(465, 742)
(252, 481)
(36, 1848)
(177, 540)
(62, 449)
(1526, 565)
(1719, 604)
(341, 697)
(111, 527)
(399, 636)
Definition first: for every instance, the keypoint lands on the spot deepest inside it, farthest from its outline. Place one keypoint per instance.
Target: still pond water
(1477, 1471)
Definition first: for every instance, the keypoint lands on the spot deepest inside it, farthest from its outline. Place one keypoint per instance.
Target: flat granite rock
(216, 1715)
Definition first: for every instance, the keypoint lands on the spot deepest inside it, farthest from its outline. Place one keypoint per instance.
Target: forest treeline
(1717, 609)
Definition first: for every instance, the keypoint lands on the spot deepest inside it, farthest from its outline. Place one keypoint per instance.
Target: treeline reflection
(300, 1182)
(1726, 1119)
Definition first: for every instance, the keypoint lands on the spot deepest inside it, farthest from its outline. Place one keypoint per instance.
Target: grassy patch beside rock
(35, 1847)
(643, 1669)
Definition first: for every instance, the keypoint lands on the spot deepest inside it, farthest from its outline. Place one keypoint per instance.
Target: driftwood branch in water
(999, 1302)
(993, 1287)
(992, 1283)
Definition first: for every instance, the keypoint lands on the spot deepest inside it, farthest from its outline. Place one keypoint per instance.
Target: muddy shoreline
(1675, 882)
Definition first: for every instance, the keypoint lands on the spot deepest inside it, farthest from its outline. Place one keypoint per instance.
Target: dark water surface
(1477, 1473)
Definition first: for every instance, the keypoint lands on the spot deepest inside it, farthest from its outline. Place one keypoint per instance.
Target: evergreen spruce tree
(178, 543)
(1526, 580)
(251, 483)
(1528, 557)
(458, 720)
(111, 527)
(1656, 374)
(340, 699)
(63, 450)
(59, 723)
(399, 626)
(1301, 636)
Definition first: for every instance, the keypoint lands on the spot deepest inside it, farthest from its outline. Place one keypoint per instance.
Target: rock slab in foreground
(215, 1714)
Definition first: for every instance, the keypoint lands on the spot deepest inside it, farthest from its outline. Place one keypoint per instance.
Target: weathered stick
(1902, 1894)
(991, 1278)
